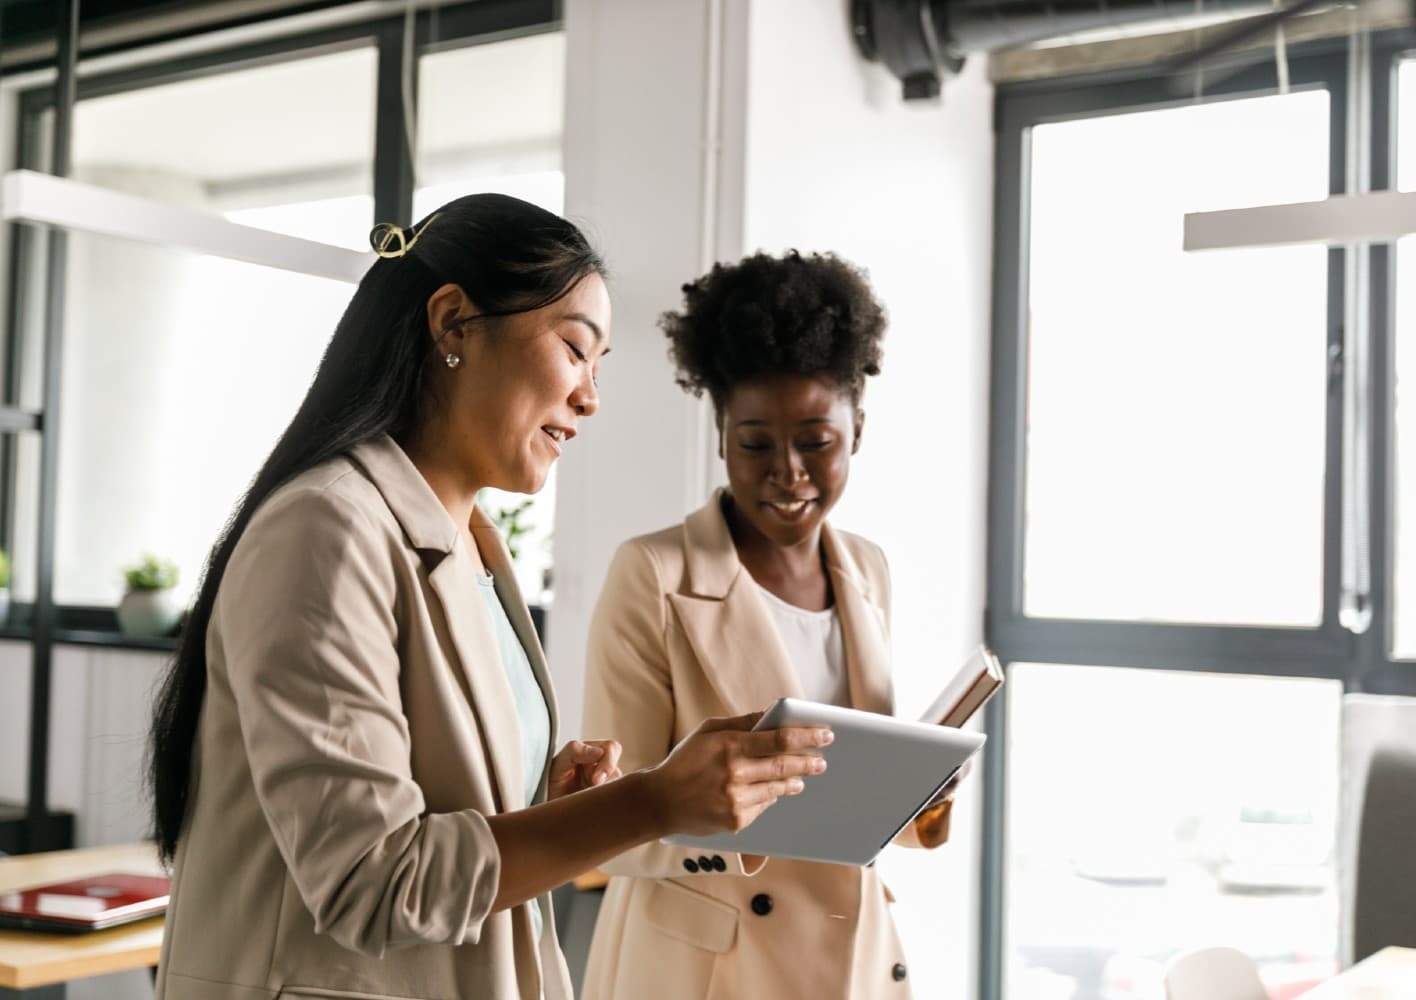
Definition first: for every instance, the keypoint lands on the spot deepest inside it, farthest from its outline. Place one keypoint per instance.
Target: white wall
(640, 176)
(837, 162)
(815, 150)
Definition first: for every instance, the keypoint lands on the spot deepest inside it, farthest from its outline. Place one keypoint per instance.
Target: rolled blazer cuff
(433, 883)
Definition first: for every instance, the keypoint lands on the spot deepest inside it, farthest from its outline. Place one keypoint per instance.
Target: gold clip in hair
(388, 240)
(391, 240)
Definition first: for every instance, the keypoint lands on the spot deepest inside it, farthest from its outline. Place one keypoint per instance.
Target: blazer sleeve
(310, 644)
(629, 693)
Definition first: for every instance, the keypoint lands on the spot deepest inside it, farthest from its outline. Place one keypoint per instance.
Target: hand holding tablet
(883, 773)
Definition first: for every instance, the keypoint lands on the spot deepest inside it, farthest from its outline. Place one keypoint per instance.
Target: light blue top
(531, 709)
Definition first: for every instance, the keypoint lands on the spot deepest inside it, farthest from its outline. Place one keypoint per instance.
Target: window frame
(1326, 651)
(36, 272)
(1376, 668)
(394, 181)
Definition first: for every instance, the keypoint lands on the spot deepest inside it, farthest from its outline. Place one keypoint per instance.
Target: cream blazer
(358, 729)
(681, 633)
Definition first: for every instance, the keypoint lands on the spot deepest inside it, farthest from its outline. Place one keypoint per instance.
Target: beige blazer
(681, 633)
(357, 731)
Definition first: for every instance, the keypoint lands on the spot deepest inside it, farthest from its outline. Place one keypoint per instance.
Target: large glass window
(1176, 402)
(1151, 813)
(291, 143)
(181, 370)
(489, 119)
(1165, 501)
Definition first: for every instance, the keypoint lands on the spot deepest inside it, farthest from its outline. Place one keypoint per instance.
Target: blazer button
(719, 865)
(705, 864)
(691, 865)
(899, 972)
(762, 904)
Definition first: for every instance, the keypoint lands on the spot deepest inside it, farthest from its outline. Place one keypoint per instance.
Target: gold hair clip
(391, 240)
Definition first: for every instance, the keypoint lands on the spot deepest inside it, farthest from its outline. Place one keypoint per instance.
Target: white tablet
(882, 772)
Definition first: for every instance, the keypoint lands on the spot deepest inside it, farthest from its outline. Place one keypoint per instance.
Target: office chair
(1384, 907)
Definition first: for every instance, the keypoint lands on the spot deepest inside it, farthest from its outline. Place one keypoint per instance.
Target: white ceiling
(316, 114)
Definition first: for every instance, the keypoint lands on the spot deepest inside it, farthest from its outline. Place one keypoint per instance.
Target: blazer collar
(421, 514)
(712, 559)
(731, 631)
(430, 527)
(492, 547)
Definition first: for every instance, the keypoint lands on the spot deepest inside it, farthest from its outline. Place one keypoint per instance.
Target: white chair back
(1214, 974)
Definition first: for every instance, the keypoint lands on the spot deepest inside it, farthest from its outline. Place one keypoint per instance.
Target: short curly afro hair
(812, 314)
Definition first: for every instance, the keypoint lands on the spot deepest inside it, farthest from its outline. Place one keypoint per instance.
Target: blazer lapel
(862, 629)
(453, 578)
(494, 554)
(726, 620)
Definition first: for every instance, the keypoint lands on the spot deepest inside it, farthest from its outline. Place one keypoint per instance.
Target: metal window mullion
(1227, 649)
(1007, 447)
(21, 263)
(1376, 670)
(393, 154)
(26, 243)
(1377, 644)
(992, 851)
(43, 627)
(1353, 388)
(1007, 450)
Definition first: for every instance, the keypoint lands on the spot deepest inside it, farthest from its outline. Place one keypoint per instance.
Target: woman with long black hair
(351, 755)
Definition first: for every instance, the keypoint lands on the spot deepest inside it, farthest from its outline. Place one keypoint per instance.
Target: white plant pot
(148, 614)
(4, 606)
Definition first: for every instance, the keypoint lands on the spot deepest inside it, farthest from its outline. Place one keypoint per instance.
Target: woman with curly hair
(752, 598)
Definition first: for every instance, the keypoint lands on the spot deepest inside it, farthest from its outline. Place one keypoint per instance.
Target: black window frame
(1327, 651)
(1377, 669)
(394, 180)
(36, 269)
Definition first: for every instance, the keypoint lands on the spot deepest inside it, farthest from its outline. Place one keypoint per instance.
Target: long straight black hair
(509, 257)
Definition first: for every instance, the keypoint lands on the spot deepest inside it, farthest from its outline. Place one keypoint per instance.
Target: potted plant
(149, 608)
(4, 587)
(509, 521)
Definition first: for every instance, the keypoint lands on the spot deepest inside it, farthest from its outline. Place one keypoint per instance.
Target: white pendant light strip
(1374, 217)
(43, 199)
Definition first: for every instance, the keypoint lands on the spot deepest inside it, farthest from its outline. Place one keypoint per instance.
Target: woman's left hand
(583, 764)
(951, 786)
(931, 826)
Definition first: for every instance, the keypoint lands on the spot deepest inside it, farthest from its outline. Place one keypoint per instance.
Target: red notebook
(86, 904)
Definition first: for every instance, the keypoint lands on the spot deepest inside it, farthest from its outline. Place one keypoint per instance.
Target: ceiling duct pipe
(922, 42)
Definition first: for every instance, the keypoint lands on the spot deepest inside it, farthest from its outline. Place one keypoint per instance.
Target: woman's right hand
(722, 776)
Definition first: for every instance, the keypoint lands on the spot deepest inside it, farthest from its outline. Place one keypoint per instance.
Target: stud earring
(453, 360)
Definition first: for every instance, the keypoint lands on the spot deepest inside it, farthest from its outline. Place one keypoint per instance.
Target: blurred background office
(1169, 486)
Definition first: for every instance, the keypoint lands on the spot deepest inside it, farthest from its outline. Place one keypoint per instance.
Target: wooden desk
(29, 960)
(1390, 974)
